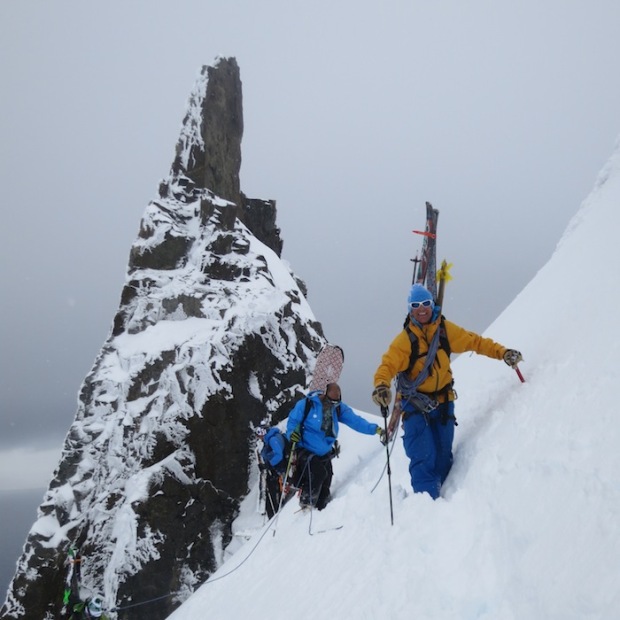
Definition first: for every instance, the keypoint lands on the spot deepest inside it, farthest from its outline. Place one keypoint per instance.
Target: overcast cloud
(499, 113)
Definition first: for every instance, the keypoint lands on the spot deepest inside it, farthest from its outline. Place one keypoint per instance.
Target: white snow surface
(527, 526)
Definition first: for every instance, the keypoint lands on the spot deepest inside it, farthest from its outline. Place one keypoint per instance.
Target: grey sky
(500, 113)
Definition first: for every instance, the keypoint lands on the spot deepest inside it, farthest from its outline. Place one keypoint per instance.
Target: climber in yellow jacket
(419, 357)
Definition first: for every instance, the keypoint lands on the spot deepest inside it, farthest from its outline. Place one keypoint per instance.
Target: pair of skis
(428, 275)
(424, 273)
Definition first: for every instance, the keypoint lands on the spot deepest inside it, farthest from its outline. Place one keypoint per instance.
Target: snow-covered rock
(213, 335)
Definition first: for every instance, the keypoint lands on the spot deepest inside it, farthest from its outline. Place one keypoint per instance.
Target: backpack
(415, 345)
(277, 449)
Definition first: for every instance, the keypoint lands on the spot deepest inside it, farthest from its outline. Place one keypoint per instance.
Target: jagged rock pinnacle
(213, 335)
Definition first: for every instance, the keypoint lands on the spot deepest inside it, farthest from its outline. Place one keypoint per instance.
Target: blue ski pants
(428, 444)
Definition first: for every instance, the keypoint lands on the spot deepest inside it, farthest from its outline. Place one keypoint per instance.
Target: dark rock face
(212, 336)
(260, 217)
(215, 163)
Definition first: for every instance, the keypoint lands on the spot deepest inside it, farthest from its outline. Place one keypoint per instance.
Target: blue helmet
(418, 293)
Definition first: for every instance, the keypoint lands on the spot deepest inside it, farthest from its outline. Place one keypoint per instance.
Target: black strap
(307, 408)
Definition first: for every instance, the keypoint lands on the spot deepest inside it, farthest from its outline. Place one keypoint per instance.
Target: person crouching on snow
(314, 435)
(425, 385)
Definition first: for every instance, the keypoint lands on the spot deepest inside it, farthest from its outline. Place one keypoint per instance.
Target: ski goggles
(414, 305)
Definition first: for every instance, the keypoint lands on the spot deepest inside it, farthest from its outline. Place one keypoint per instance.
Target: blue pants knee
(428, 444)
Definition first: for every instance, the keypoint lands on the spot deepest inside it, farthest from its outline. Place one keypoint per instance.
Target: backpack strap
(444, 343)
(307, 408)
(415, 349)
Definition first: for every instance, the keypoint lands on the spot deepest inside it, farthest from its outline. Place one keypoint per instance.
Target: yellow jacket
(396, 358)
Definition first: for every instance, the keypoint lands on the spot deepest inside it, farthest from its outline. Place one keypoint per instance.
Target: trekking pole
(288, 469)
(416, 262)
(393, 443)
(384, 413)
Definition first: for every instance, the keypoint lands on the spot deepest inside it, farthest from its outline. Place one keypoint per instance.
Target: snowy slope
(527, 527)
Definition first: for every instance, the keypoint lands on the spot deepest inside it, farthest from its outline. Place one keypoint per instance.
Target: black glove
(296, 436)
(512, 357)
(336, 449)
(382, 396)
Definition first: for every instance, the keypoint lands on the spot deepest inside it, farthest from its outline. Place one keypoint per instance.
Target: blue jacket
(312, 437)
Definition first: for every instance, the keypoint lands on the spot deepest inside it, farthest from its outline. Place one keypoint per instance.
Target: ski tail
(328, 367)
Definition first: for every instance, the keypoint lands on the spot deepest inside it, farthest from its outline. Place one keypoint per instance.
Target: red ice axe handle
(519, 374)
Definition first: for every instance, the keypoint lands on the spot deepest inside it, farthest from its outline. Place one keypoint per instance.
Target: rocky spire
(208, 152)
(212, 336)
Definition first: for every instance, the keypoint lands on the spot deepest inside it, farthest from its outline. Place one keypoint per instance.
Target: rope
(393, 442)
(409, 387)
(209, 581)
(271, 524)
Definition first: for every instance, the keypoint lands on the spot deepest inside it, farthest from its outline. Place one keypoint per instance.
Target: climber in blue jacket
(314, 434)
